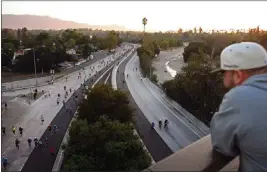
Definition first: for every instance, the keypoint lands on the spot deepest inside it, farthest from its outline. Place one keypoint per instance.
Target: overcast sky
(161, 15)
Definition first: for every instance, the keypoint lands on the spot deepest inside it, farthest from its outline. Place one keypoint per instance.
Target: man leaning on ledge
(239, 128)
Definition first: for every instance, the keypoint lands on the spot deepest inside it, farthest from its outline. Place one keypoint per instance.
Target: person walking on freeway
(21, 131)
(5, 162)
(35, 142)
(29, 142)
(40, 144)
(17, 143)
(57, 100)
(13, 130)
(4, 130)
(152, 125)
(64, 105)
(55, 128)
(42, 119)
(239, 127)
(46, 142)
(52, 150)
(49, 128)
(160, 123)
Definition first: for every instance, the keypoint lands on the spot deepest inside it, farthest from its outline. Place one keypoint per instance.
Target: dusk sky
(161, 15)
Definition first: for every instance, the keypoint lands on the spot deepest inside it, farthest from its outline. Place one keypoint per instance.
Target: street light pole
(34, 67)
(150, 71)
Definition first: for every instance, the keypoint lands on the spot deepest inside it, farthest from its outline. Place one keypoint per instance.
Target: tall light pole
(150, 72)
(20, 44)
(34, 66)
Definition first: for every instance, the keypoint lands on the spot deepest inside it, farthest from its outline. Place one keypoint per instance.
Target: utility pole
(150, 72)
(34, 67)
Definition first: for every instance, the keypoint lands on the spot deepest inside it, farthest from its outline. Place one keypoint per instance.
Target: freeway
(41, 159)
(181, 132)
(106, 77)
(150, 137)
(28, 116)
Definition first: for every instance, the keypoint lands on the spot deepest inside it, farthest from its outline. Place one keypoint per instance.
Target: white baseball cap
(242, 56)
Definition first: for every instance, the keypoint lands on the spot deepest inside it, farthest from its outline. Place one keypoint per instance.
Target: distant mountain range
(46, 23)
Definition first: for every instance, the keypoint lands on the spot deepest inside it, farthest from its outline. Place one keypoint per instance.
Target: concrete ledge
(195, 157)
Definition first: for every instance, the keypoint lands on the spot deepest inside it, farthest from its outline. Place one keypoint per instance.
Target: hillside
(46, 22)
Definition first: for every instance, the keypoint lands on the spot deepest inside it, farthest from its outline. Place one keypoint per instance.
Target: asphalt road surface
(154, 143)
(180, 132)
(41, 158)
(106, 79)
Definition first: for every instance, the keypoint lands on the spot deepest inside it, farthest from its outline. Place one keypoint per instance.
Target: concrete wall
(25, 83)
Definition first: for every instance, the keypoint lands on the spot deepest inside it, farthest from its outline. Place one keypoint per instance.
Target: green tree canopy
(195, 88)
(104, 100)
(104, 145)
(111, 40)
(87, 50)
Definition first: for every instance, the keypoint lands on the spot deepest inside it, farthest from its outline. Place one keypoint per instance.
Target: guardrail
(191, 118)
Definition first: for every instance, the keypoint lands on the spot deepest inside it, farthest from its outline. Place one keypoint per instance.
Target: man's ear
(239, 76)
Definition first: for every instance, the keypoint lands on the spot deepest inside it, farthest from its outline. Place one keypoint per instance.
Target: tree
(111, 40)
(87, 50)
(195, 88)
(41, 37)
(180, 30)
(200, 30)
(195, 47)
(104, 100)
(195, 30)
(104, 145)
(144, 22)
(69, 44)
(9, 46)
(164, 44)
(24, 32)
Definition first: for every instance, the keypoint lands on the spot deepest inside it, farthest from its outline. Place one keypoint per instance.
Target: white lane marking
(135, 132)
(60, 159)
(167, 138)
(178, 110)
(106, 80)
(101, 76)
(114, 71)
(170, 110)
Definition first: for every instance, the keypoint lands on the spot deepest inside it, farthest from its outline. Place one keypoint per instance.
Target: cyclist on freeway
(166, 122)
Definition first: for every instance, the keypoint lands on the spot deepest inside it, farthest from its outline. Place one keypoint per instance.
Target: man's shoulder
(240, 93)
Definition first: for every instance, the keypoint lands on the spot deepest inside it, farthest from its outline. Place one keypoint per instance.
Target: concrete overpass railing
(196, 157)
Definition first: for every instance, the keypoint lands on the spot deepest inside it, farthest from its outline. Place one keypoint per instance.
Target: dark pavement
(102, 80)
(40, 159)
(154, 143)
